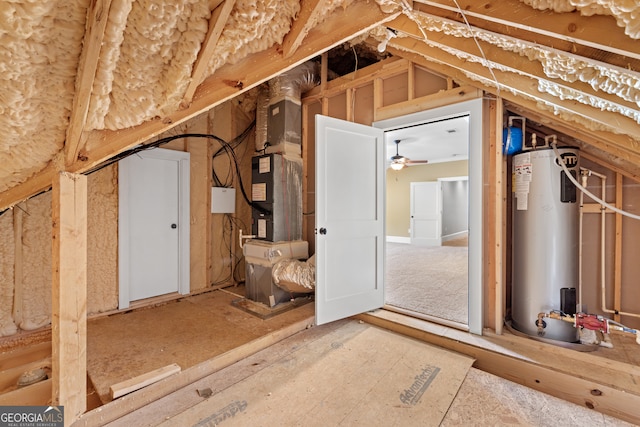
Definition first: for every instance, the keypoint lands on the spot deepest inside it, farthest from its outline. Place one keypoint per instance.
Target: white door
(349, 219)
(426, 213)
(153, 224)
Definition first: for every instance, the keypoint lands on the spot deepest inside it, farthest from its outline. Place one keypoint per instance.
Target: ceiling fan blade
(417, 162)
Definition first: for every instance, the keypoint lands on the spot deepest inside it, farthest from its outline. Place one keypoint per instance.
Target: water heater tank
(545, 242)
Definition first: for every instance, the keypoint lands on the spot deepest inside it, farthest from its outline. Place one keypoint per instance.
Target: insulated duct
(279, 111)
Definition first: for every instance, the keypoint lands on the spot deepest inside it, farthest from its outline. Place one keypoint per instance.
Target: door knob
(174, 225)
(323, 231)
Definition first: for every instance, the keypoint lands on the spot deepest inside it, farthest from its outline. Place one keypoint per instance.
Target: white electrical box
(223, 200)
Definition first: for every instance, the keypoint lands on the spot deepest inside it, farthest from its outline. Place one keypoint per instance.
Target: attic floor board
(347, 373)
(186, 332)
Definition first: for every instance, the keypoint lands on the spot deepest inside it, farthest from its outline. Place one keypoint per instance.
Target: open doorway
(433, 269)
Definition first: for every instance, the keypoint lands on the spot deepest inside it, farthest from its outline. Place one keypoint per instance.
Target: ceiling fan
(398, 162)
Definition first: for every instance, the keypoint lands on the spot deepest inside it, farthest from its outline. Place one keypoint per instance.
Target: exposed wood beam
(438, 99)
(234, 79)
(302, 24)
(69, 294)
(597, 31)
(40, 182)
(505, 59)
(218, 20)
(524, 90)
(387, 67)
(228, 82)
(97, 18)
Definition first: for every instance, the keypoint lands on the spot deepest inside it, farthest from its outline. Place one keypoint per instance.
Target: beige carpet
(428, 280)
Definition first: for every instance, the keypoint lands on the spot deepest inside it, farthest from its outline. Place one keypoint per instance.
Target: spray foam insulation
(7, 260)
(36, 253)
(626, 12)
(40, 44)
(102, 240)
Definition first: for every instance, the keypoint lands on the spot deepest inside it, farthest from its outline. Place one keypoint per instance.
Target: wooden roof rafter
(514, 61)
(302, 24)
(522, 90)
(97, 17)
(598, 31)
(227, 82)
(219, 17)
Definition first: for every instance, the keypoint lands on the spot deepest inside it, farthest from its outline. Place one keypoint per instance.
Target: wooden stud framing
(411, 82)
(426, 102)
(200, 198)
(350, 98)
(378, 96)
(18, 273)
(69, 295)
(496, 218)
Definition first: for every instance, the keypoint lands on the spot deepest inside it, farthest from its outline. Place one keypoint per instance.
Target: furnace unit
(276, 193)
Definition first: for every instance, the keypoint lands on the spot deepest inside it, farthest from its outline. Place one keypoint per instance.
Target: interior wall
(398, 190)
(455, 207)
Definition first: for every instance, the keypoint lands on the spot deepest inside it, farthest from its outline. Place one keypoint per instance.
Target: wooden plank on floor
(355, 375)
(159, 410)
(26, 354)
(143, 380)
(38, 394)
(126, 404)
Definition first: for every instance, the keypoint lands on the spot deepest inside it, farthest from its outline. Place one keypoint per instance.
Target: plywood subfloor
(328, 375)
(348, 373)
(186, 332)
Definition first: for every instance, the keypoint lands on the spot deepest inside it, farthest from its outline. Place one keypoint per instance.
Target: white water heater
(545, 242)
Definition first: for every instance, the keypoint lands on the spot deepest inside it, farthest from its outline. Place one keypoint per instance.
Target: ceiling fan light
(396, 166)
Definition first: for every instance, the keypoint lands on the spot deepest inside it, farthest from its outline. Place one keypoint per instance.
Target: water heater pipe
(587, 192)
(604, 204)
(581, 214)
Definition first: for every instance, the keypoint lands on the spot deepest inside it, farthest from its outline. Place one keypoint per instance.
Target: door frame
(124, 179)
(474, 108)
